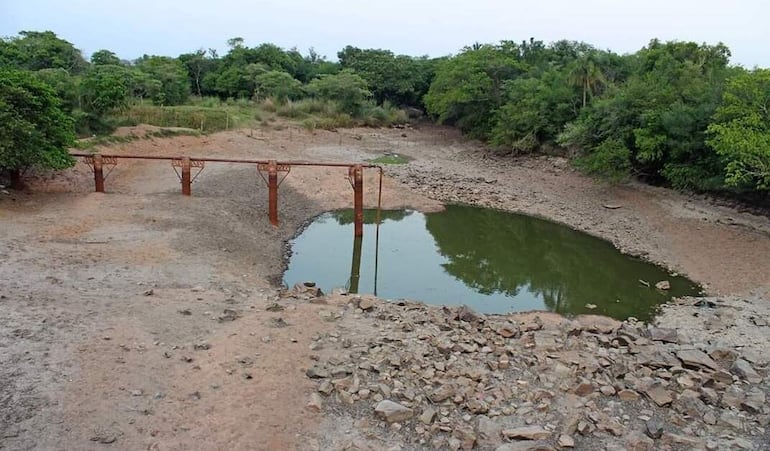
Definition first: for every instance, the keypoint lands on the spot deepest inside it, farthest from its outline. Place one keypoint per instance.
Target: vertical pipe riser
(358, 199)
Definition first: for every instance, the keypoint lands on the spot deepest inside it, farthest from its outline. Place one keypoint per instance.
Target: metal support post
(186, 179)
(272, 186)
(98, 173)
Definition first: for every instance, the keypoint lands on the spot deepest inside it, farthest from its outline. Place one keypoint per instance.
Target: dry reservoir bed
(140, 319)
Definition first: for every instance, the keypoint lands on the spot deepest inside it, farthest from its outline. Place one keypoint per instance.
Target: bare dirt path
(137, 319)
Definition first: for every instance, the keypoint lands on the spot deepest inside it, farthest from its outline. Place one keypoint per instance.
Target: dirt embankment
(141, 319)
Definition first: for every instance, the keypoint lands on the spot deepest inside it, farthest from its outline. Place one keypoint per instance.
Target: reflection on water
(492, 261)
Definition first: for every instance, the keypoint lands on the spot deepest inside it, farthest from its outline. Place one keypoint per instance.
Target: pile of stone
(448, 378)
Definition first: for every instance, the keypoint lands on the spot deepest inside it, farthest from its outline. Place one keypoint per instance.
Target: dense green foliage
(659, 114)
(740, 132)
(657, 117)
(673, 113)
(401, 80)
(35, 131)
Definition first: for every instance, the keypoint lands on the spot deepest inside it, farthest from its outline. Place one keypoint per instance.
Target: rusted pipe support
(98, 173)
(272, 187)
(357, 174)
(222, 160)
(186, 179)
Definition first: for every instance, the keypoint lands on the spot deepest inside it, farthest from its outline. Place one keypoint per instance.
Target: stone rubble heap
(448, 378)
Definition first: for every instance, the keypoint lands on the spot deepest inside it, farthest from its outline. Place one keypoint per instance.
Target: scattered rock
(315, 403)
(638, 442)
(733, 397)
(366, 304)
(663, 285)
(526, 433)
(658, 394)
(743, 369)
(228, 315)
(628, 395)
(697, 359)
(663, 334)
(670, 438)
(326, 387)
(525, 446)
(565, 441)
(317, 372)
(654, 428)
(755, 401)
(598, 324)
(584, 388)
(488, 431)
(104, 437)
(731, 420)
(465, 313)
(607, 390)
(428, 415)
(450, 378)
(392, 411)
(308, 289)
(442, 393)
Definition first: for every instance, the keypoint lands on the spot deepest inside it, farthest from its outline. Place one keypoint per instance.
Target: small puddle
(492, 261)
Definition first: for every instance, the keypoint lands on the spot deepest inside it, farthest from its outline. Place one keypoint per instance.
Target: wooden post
(98, 173)
(358, 200)
(272, 186)
(186, 181)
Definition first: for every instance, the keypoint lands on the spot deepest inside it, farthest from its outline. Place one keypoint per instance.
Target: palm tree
(586, 74)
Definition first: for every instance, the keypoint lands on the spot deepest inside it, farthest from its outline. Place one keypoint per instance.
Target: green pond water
(491, 261)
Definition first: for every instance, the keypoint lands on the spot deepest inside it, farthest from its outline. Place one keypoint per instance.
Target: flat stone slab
(697, 358)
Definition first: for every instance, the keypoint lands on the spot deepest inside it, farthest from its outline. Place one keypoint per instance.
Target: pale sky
(131, 28)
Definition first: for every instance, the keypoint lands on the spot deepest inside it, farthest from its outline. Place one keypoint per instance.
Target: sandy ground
(104, 297)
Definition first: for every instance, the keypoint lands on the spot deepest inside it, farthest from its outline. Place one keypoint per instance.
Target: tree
(312, 65)
(535, 112)
(740, 132)
(105, 88)
(198, 65)
(278, 85)
(172, 75)
(468, 88)
(67, 87)
(36, 50)
(235, 43)
(34, 131)
(586, 74)
(402, 80)
(104, 58)
(657, 117)
(346, 87)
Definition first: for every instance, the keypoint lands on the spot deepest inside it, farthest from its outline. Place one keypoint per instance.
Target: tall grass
(211, 114)
(198, 118)
(327, 114)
